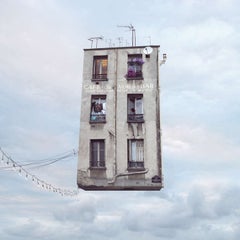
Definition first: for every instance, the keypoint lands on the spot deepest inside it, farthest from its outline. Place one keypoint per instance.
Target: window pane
(94, 151)
(98, 109)
(135, 108)
(97, 153)
(102, 151)
(139, 106)
(131, 105)
(134, 66)
(99, 104)
(103, 69)
(136, 154)
(139, 150)
(100, 67)
(133, 151)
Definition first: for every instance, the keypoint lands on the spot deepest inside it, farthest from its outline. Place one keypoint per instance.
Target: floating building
(120, 134)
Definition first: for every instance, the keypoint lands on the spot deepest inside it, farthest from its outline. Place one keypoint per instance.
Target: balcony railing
(97, 164)
(134, 75)
(134, 164)
(135, 118)
(97, 76)
(98, 118)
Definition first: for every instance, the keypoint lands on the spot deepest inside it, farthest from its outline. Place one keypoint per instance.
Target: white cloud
(197, 144)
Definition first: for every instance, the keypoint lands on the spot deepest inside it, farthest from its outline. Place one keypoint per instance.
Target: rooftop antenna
(92, 39)
(120, 40)
(131, 28)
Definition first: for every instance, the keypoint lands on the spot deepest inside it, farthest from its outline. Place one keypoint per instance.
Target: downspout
(126, 174)
(115, 111)
(158, 124)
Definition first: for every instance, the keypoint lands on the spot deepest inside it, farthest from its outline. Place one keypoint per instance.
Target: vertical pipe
(115, 109)
(158, 124)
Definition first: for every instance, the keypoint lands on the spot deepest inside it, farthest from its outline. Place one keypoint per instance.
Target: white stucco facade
(120, 150)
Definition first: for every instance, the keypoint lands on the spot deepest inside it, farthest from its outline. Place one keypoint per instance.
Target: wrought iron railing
(134, 164)
(100, 164)
(95, 118)
(135, 118)
(98, 76)
(133, 74)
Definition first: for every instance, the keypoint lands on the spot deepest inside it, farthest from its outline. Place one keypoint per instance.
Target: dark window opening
(135, 108)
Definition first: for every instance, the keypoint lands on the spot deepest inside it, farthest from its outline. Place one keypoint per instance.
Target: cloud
(198, 144)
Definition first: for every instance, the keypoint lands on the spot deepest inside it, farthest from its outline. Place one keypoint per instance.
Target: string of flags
(9, 163)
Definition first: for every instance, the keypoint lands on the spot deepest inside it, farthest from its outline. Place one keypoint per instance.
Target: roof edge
(127, 47)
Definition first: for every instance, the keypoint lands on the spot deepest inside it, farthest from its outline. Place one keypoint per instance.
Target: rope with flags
(22, 170)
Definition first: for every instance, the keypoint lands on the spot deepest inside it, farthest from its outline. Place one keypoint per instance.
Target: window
(97, 149)
(100, 64)
(135, 63)
(98, 109)
(135, 108)
(135, 153)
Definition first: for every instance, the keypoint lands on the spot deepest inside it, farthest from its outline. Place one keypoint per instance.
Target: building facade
(120, 138)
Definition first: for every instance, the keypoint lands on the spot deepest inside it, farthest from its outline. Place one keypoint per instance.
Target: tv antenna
(92, 39)
(131, 28)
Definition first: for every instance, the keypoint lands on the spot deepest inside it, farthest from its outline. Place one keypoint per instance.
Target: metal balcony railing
(135, 118)
(97, 76)
(100, 164)
(135, 164)
(97, 118)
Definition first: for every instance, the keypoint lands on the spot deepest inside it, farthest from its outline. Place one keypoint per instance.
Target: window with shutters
(97, 153)
(98, 109)
(135, 153)
(135, 108)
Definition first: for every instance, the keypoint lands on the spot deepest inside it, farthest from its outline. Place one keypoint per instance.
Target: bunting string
(22, 170)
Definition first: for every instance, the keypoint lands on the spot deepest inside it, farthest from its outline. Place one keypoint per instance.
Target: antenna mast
(96, 39)
(131, 28)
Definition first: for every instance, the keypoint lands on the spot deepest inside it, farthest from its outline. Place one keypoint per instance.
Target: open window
(100, 66)
(135, 153)
(135, 108)
(135, 63)
(97, 153)
(98, 109)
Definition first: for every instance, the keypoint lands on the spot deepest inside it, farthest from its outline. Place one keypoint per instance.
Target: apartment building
(120, 135)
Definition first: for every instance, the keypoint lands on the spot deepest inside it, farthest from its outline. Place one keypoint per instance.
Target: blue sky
(41, 53)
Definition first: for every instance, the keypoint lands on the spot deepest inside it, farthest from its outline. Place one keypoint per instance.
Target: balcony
(134, 164)
(99, 77)
(97, 118)
(97, 164)
(135, 118)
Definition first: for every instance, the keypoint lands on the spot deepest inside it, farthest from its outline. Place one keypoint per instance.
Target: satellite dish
(147, 50)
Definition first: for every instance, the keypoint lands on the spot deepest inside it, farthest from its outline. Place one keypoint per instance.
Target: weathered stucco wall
(116, 131)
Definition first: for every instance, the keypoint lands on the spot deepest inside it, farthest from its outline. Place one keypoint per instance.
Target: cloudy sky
(41, 53)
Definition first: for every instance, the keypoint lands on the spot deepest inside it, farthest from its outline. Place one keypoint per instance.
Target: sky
(41, 56)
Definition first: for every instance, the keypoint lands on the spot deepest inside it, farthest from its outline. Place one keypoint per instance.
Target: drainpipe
(158, 117)
(115, 110)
